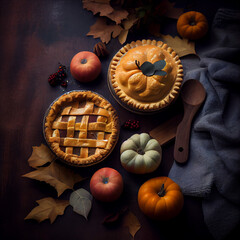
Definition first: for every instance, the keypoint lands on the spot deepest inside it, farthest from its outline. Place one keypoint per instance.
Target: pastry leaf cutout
(150, 69)
(160, 73)
(159, 64)
(147, 68)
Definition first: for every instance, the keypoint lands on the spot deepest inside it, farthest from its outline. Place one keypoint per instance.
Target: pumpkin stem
(140, 151)
(138, 64)
(192, 23)
(162, 191)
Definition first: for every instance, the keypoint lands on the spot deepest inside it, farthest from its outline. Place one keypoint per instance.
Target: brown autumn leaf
(181, 46)
(48, 208)
(103, 7)
(127, 24)
(167, 9)
(117, 15)
(104, 31)
(40, 156)
(57, 175)
(131, 222)
(98, 6)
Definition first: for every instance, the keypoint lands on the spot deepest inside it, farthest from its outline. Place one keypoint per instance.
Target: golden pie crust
(81, 128)
(141, 92)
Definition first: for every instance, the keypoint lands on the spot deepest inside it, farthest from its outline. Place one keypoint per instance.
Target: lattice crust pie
(141, 90)
(81, 128)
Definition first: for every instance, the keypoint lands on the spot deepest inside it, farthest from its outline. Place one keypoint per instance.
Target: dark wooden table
(34, 37)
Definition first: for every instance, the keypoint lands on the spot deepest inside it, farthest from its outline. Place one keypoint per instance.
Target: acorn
(100, 50)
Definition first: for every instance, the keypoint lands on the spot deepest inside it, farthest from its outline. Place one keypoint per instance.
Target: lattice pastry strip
(98, 126)
(70, 132)
(83, 135)
(100, 135)
(84, 126)
(70, 128)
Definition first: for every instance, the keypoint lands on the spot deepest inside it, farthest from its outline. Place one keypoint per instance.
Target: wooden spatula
(193, 95)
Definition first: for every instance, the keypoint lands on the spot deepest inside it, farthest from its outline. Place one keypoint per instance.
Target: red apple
(85, 66)
(106, 184)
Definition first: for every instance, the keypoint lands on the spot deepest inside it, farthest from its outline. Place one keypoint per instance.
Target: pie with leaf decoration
(81, 128)
(146, 75)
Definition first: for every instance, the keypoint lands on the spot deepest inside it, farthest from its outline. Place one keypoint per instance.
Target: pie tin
(72, 164)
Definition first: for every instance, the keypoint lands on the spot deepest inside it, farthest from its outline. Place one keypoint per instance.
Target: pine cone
(100, 49)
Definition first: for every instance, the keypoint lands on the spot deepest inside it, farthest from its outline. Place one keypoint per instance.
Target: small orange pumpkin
(160, 198)
(192, 25)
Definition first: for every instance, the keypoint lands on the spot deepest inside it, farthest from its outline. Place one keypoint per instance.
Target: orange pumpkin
(160, 198)
(192, 25)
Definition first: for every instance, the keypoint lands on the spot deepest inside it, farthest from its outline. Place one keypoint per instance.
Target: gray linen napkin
(213, 168)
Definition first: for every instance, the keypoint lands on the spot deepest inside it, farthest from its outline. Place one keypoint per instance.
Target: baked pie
(81, 128)
(146, 75)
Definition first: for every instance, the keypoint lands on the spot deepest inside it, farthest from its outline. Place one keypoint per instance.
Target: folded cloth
(213, 167)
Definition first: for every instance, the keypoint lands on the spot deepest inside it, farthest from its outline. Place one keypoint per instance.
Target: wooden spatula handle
(181, 147)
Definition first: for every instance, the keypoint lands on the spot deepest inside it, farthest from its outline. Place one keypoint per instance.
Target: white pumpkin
(140, 154)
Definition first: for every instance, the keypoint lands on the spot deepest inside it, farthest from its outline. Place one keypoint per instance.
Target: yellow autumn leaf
(181, 46)
(131, 222)
(48, 208)
(40, 156)
(57, 175)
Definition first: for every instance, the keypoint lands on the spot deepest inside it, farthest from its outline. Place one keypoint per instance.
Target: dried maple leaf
(127, 24)
(104, 31)
(98, 6)
(117, 15)
(57, 175)
(48, 208)
(40, 156)
(181, 46)
(103, 7)
(131, 221)
(167, 9)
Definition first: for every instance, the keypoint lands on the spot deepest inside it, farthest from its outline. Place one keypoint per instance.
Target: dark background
(34, 37)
